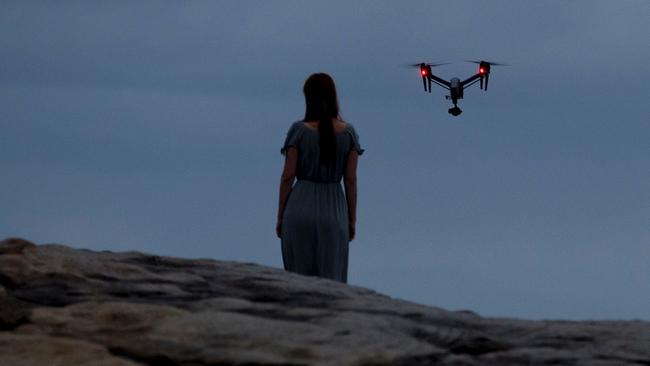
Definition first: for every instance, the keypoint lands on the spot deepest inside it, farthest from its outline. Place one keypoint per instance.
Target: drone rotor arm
(440, 81)
(471, 80)
(440, 84)
(467, 85)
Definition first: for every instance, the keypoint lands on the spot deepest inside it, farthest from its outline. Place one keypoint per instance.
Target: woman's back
(304, 136)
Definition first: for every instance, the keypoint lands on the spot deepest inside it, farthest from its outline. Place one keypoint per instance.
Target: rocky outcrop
(64, 306)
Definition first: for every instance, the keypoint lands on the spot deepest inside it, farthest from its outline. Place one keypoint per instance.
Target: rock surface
(65, 306)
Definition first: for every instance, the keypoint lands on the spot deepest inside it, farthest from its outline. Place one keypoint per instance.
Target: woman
(316, 221)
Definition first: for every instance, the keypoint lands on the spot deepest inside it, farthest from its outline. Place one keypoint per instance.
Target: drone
(455, 85)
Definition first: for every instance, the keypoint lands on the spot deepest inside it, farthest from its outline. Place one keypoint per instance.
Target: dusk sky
(157, 125)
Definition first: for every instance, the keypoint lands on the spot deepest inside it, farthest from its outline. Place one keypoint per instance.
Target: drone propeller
(421, 64)
(425, 71)
(484, 70)
(488, 62)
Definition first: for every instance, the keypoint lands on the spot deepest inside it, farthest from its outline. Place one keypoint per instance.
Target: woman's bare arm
(350, 182)
(286, 182)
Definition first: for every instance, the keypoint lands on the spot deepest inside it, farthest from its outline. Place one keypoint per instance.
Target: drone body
(455, 86)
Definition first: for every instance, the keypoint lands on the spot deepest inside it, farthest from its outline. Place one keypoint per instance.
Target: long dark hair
(322, 105)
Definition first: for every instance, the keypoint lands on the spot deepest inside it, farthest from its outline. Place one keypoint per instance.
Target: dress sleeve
(293, 138)
(355, 140)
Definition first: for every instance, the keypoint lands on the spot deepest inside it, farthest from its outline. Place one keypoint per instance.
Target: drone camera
(455, 111)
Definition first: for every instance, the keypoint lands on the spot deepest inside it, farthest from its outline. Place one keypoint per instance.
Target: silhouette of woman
(316, 220)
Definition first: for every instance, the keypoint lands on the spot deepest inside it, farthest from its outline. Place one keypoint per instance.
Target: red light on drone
(481, 70)
(424, 72)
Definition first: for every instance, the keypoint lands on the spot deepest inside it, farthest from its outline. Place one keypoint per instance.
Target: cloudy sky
(156, 126)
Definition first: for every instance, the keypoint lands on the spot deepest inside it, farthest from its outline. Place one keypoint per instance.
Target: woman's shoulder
(340, 126)
(301, 125)
(349, 127)
(294, 135)
(296, 125)
(354, 137)
(297, 128)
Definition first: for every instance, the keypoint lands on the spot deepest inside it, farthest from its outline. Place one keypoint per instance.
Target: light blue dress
(315, 223)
